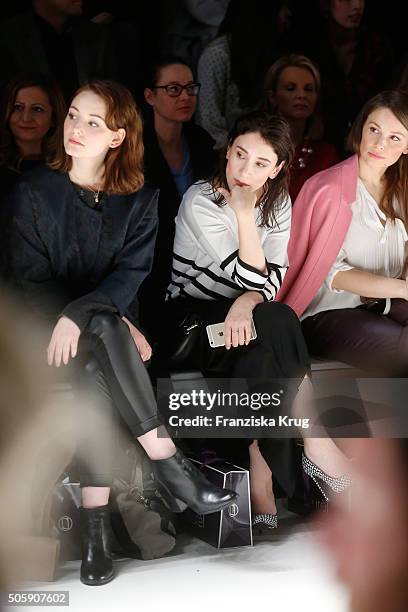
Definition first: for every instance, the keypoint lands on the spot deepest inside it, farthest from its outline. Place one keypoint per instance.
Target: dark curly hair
(275, 131)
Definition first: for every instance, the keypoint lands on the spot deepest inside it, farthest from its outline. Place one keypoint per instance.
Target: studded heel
(265, 521)
(326, 485)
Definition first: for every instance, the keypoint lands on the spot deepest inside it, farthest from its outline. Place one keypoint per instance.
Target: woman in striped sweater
(229, 260)
(230, 256)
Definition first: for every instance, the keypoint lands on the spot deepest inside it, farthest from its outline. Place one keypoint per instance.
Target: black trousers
(278, 352)
(369, 341)
(114, 391)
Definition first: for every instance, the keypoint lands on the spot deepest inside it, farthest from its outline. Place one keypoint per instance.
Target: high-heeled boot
(181, 484)
(96, 566)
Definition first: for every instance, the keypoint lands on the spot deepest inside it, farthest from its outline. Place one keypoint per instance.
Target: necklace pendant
(96, 198)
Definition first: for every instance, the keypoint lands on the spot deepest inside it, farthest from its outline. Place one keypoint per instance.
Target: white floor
(283, 571)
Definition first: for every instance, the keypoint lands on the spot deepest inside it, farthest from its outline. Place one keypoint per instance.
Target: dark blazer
(342, 96)
(22, 50)
(158, 175)
(69, 258)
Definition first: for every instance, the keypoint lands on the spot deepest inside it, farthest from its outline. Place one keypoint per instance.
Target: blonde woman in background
(292, 87)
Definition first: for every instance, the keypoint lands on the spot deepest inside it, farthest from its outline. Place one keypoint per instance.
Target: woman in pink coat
(347, 279)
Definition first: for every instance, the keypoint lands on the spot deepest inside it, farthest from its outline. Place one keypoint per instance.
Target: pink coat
(320, 219)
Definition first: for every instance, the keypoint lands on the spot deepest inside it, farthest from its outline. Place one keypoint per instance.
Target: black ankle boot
(97, 566)
(182, 484)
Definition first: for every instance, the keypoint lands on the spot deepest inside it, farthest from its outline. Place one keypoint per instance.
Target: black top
(80, 52)
(73, 259)
(60, 51)
(10, 176)
(342, 96)
(158, 175)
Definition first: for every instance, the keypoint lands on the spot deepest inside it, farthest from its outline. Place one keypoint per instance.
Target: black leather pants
(114, 390)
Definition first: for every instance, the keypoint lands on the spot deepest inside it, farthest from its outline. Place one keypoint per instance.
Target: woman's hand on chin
(64, 342)
(142, 345)
(241, 199)
(238, 322)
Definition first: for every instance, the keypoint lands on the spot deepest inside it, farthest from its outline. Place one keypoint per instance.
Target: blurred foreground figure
(35, 443)
(369, 537)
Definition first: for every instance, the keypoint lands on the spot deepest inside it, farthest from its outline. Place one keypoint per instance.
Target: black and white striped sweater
(206, 264)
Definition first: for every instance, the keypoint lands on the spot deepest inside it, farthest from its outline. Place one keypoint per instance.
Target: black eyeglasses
(174, 89)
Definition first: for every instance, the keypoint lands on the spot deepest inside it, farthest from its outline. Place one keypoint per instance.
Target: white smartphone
(215, 333)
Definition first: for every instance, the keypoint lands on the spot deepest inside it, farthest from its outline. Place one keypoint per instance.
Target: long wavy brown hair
(275, 131)
(123, 164)
(396, 176)
(52, 144)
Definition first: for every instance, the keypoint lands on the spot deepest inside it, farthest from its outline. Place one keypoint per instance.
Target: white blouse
(373, 243)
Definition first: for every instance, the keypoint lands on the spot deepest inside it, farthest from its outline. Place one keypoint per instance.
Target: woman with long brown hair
(348, 251)
(348, 278)
(83, 240)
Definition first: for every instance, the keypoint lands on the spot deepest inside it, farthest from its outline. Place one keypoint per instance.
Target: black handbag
(191, 350)
(187, 341)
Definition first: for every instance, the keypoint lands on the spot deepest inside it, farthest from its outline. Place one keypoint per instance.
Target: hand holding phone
(216, 337)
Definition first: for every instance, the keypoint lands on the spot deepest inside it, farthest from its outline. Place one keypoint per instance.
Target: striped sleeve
(219, 238)
(276, 251)
(243, 274)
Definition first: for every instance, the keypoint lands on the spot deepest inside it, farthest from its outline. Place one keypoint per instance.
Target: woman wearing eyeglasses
(177, 154)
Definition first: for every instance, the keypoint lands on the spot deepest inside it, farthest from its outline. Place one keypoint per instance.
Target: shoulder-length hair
(123, 164)
(52, 144)
(314, 127)
(275, 131)
(396, 176)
